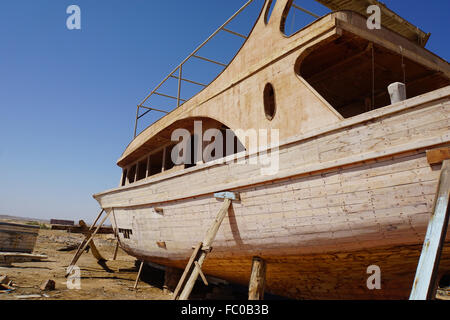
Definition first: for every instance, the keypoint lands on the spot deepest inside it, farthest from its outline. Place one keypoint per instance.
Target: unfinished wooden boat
(353, 186)
(16, 237)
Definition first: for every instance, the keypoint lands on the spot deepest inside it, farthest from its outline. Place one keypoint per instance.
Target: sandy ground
(96, 283)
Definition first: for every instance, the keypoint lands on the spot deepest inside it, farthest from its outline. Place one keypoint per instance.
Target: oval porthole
(269, 101)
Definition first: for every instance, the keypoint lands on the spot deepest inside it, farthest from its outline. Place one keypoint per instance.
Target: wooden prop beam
(86, 236)
(80, 252)
(424, 287)
(138, 275)
(202, 249)
(201, 273)
(115, 250)
(257, 279)
(6, 258)
(186, 271)
(94, 250)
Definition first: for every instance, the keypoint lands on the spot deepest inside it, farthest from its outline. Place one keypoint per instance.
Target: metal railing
(194, 54)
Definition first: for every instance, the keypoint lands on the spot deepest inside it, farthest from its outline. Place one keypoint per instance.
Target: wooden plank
(115, 250)
(138, 275)
(78, 229)
(80, 251)
(6, 258)
(209, 238)
(62, 222)
(257, 279)
(201, 273)
(18, 237)
(424, 286)
(23, 255)
(86, 237)
(186, 271)
(92, 245)
(437, 156)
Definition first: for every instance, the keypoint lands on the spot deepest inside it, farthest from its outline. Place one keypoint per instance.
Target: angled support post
(116, 250)
(193, 268)
(88, 233)
(85, 242)
(94, 249)
(138, 275)
(424, 287)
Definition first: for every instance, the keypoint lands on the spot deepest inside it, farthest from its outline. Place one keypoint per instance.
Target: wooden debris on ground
(72, 247)
(80, 229)
(29, 296)
(47, 285)
(6, 258)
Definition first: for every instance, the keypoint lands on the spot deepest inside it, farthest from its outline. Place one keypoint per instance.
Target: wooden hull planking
(357, 194)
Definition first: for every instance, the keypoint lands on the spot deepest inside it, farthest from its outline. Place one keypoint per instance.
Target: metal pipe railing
(180, 66)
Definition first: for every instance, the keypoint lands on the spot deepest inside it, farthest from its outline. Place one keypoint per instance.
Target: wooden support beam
(201, 273)
(115, 250)
(209, 238)
(257, 279)
(78, 229)
(6, 258)
(94, 250)
(186, 271)
(437, 156)
(138, 275)
(86, 243)
(424, 287)
(86, 236)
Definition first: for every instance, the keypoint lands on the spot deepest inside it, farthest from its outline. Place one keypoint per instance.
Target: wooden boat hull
(17, 237)
(345, 197)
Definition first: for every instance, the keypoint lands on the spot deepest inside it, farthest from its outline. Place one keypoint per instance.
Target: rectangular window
(126, 233)
(141, 170)
(156, 163)
(131, 174)
(124, 177)
(168, 164)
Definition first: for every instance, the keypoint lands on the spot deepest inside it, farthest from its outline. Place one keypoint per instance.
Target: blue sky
(68, 97)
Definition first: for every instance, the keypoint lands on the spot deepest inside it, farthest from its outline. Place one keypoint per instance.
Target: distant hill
(8, 217)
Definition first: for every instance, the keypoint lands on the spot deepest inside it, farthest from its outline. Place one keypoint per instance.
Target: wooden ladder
(425, 284)
(194, 267)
